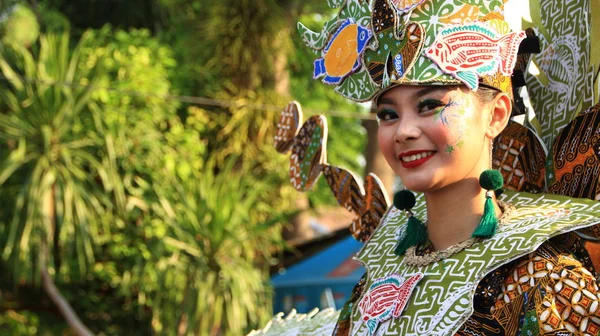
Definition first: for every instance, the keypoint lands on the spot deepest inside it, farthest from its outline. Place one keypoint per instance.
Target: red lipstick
(415, 163)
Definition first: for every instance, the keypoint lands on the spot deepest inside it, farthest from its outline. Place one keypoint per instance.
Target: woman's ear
(500, 114)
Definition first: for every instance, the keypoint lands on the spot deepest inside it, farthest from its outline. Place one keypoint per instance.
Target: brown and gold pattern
(287, 127)
(384, 16)
(520, 156)
(575, 164)
(345, 188)
(368, 204)
(547, 292)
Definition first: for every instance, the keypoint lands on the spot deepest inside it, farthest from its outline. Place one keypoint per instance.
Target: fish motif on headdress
(342, 55)
(386, 298)
(469, 51)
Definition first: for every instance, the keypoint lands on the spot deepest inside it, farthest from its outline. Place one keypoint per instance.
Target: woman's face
(432, 136)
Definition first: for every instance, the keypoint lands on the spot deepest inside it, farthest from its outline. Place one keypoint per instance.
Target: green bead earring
(492, 181)
(416, 232)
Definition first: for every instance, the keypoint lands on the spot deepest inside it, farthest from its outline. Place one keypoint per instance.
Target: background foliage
(153, 214)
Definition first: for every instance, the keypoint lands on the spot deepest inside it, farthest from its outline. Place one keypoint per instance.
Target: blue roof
(331, 266)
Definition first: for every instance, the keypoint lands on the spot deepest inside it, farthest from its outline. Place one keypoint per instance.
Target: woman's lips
(414, 159)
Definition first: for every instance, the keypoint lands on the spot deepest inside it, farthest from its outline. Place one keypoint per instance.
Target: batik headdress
(370, 46)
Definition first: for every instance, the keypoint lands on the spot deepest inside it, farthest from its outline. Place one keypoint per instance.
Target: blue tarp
(319, 281)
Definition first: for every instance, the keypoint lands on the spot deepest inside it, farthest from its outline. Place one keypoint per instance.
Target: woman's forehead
(403, 92)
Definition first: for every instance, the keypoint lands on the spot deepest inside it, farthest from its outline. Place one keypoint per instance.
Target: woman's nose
(406, 131)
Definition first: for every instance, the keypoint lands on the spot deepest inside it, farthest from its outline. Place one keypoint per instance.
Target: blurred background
(140, 192)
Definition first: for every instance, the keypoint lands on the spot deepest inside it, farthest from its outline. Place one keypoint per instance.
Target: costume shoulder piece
(438, 297)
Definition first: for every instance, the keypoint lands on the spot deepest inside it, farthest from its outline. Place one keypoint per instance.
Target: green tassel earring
(416, 232)
(490, 180)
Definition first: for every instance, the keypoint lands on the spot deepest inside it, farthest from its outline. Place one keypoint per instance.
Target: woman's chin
(417, 186)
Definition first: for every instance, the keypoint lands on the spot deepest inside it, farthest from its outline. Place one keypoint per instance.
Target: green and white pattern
(357, 86)
(442, 302)
(566, 85)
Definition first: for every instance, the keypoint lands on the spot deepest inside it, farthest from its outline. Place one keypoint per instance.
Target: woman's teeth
(415, 157)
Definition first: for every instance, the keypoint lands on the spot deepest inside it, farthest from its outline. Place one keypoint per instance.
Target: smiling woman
(423, 135)
(464, 258)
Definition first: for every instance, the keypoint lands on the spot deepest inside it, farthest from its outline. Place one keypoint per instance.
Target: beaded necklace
(413, 259)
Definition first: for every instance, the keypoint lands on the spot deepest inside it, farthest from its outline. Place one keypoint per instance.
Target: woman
(501, 285)
(456, 261)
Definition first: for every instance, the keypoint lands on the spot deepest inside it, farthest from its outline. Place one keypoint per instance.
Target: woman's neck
(454, 212)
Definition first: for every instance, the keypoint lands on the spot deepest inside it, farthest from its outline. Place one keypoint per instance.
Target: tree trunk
(63, 306)
(61, 303)
(376, 163)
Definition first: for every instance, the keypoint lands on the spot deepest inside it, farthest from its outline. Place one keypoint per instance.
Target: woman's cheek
(385, 138)
(453, 120)
(457, 130)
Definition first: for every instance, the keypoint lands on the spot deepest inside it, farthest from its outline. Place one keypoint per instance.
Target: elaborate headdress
(370, 46)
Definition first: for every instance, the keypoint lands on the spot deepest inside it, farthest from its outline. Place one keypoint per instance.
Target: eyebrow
(430, 89)
(418, 94)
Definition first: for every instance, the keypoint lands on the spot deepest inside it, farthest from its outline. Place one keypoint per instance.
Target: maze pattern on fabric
(443, 300)
(575, 164)
(520, 156)
(565, 62)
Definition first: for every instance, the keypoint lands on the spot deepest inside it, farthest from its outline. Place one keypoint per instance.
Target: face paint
(452, 116)
(445, 121)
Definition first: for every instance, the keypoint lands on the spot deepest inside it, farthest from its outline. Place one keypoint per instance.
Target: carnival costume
(527, 274)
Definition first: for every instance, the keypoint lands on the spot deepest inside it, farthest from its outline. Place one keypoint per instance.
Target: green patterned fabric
(442, 301)
(565, 85)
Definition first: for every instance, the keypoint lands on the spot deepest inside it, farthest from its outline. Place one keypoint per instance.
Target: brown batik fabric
(548, 292)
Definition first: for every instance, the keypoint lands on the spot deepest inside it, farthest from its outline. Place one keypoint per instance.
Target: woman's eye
(387, 115)
(429, 105)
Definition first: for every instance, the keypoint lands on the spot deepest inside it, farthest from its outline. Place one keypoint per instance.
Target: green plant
(221, 232)
(55, 157)
(57, 162)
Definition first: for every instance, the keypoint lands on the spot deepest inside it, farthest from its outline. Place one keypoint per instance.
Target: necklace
(412, 259)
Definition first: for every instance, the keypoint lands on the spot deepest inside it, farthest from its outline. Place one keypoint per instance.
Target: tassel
(491, 180)
(416, 232)
(489, 222)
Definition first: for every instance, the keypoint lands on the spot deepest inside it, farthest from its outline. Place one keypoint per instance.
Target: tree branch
(63, 306)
